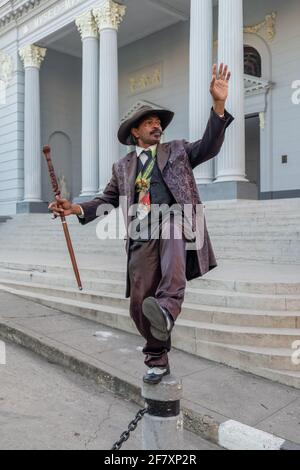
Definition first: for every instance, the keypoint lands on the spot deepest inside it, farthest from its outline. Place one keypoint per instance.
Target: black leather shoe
(155, 374)
(160, 319)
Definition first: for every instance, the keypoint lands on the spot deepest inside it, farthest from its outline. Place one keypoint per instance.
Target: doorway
(253, 149)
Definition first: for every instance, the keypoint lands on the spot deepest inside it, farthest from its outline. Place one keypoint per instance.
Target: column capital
(109, 15)
(32, 56)
(87, 25)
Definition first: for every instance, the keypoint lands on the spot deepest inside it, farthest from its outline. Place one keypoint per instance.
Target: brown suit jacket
(176, 161)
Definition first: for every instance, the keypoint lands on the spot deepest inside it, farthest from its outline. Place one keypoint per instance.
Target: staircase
(264, 231)
(245, 313)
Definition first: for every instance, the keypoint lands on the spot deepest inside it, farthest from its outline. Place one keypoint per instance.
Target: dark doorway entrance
(253, 149)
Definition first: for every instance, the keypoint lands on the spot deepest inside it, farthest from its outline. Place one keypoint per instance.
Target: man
(160, 174)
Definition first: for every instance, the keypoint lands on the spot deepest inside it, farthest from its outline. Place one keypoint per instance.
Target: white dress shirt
(140, 151)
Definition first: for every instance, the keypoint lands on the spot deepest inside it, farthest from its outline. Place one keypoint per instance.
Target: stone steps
(221, 233)
(232, 333)
(248, 322)
(288, 205)
(110, 293)
(278, 259)
(221, 254)
(236, 253)
(261, 232)
(247, 225)
(241, 317)
(265, 362)
(260, 244)
(212, 222)
(194, 312)
(226, 221)
(95, 276)
(4, 218)
(116, 272)
(113, 294)
(197, 296)
(276, 215)
(206, 340)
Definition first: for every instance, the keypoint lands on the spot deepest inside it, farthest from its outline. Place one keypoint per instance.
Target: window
(252, 62)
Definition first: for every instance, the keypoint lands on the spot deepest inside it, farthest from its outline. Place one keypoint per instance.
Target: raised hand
(219, 83)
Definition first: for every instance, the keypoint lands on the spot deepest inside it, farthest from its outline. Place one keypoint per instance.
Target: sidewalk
(213, 393)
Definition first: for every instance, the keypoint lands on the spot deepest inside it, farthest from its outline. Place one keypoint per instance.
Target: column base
(202, 181)
(28, 207)
(79, 199)
(228, 190)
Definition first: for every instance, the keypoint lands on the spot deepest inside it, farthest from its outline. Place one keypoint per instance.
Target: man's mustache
(157, 131)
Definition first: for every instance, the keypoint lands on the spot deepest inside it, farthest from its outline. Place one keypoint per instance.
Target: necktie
(148, 153)
(143, 185)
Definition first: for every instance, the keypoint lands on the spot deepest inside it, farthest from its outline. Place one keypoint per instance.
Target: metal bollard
(162, 426)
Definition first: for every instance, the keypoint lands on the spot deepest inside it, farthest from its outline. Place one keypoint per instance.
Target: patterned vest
(159, 192)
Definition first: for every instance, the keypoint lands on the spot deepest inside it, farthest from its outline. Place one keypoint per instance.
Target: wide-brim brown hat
(124, 134)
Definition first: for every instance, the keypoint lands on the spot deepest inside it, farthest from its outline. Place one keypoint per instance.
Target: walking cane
(56, 190)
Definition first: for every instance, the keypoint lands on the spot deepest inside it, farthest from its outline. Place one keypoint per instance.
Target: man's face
(148, 132)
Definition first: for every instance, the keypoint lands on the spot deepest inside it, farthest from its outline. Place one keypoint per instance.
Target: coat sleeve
(212, 141)
(110, 197)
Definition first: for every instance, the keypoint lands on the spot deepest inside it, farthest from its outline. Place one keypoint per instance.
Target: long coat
(176, 161)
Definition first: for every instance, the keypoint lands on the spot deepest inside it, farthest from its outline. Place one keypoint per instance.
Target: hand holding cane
(56, 190)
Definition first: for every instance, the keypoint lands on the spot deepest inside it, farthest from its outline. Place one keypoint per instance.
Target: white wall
(61, 77)
(285, 68)
(171, 48)
(12, 131)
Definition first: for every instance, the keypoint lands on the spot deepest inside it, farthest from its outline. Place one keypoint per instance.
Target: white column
(32, 57)
(231, 163)
(201, 52)
(90, 101)
(108, 17)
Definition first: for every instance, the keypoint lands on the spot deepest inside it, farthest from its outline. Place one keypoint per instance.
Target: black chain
(131, 427)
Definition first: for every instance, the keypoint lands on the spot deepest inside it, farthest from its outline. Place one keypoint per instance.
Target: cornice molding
(17, 10)
(269, 24)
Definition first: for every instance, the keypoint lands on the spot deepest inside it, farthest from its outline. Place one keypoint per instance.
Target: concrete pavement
(43, 406)
(213, 394)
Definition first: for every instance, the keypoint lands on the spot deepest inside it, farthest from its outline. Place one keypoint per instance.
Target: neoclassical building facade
(71, 70)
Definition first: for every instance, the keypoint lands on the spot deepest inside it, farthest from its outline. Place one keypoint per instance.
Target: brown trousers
(157, 268)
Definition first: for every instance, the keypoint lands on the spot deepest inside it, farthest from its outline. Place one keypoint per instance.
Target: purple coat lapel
(163, 153)
(130, 172)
